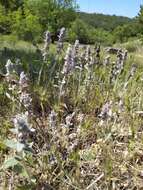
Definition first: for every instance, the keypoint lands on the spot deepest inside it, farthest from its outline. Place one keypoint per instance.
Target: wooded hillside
(107, 22)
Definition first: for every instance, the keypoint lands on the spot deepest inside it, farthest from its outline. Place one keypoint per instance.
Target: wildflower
(22, 130)
(47, 42)
(60, 40)
(97, 54)
(69, 120)
(106, 111)
(9, 67)
(61, 34)
(75, 52)
(87, 54)
(80, 118)
(23, 81)
(82, 58)
(118, 66)
(25, 99)
(53, 119)
(72, 146)
(69, 61)
(125, 55)
(76, 47)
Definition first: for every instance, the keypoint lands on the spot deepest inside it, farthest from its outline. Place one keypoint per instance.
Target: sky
(129, 8)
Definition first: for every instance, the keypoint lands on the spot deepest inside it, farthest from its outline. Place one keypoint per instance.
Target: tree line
(111, 29)
(28, 19)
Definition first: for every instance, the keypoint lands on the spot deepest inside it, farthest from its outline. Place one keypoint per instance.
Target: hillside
(106, 22)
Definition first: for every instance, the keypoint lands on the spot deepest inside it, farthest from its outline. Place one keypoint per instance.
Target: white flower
(87, 54)
(60, 40)
(106, 111)
(25, 99)
(9, 67)
(61, 34)
(69, 61)
(23, 79)
(68, 119)
(47, 41)
(52, 119)
(76, 47)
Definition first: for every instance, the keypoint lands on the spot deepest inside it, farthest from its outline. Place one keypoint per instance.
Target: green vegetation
(112, 29)
(28, 19)
(106, 22)
(71, 109)
(74, 121)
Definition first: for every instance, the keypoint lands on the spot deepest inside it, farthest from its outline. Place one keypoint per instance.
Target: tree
(79, 30)
(51, 13)
(140, 15)
(101, 36)
(5, 21)
(127, 31)
(27, 27)
(11, 4)
(30, 18)
(140, 20)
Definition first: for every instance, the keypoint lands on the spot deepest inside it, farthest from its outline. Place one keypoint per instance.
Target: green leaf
(19, 147)
(14, 145)
(10, 162)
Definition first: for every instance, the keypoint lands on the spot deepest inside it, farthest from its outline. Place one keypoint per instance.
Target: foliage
(79, 30)
(118, 29)
(101, 36)
(106, 22)
(88, 35)
(29, 18)
(27, 28)
(128, 31)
